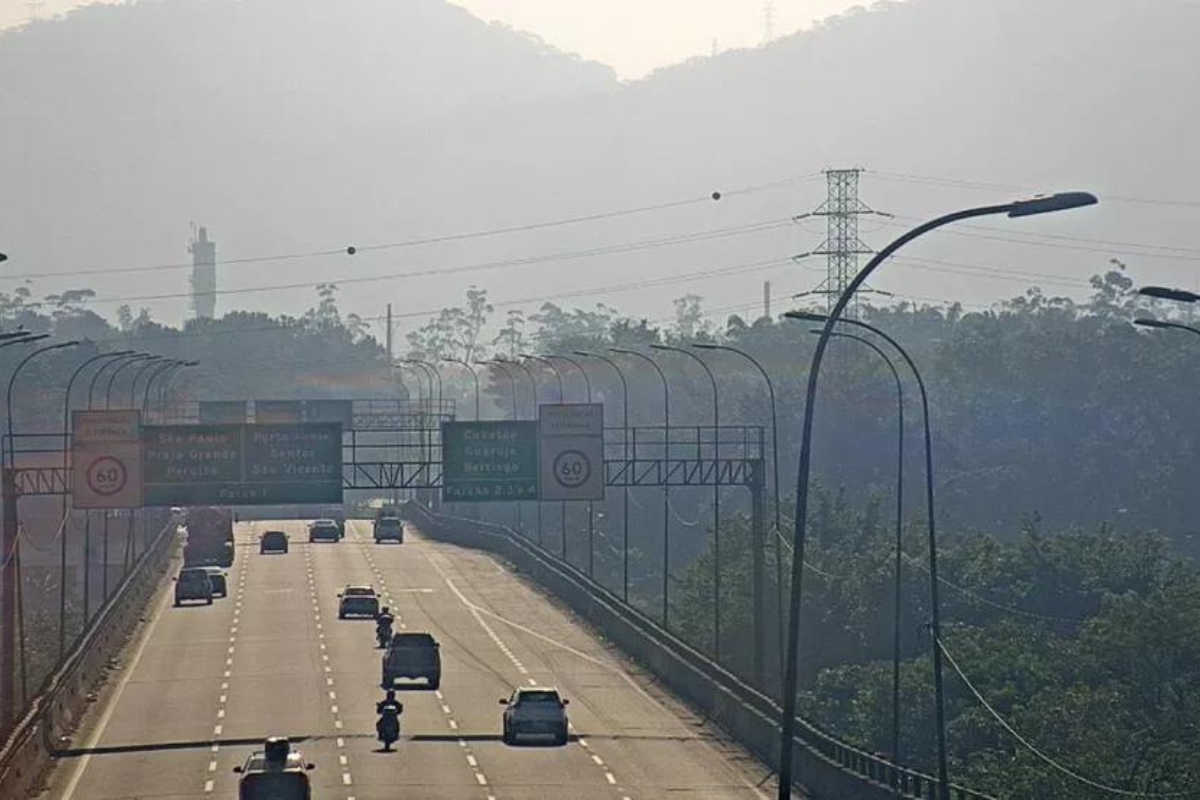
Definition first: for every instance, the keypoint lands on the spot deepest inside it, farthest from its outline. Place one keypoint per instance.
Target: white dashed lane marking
(343, 760)
(451, 722)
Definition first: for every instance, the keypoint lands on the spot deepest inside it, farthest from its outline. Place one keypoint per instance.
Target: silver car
(535, 711)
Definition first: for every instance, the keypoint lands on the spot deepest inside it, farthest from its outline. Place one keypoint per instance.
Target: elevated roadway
(203, 685)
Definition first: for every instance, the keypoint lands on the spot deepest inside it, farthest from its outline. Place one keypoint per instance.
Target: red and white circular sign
(107, 476)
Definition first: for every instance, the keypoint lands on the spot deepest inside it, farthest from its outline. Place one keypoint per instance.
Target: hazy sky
(632, 36)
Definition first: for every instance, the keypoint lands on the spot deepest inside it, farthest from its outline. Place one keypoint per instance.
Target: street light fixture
(62, 589)
(474, 376)
(1164, 293)
(1020, 208)
(625, 454)
(896, 597)
(591, 532)
(716, 500)
(10, 554)
(666, 487)
(760, 551)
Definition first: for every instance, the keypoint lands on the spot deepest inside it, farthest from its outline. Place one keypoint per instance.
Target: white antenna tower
(769, 22)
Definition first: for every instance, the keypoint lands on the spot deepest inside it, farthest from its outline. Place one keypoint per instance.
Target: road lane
(165, 693)
(205, 684)
(631, 742)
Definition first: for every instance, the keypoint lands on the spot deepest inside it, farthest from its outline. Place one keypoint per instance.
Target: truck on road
(209, 537)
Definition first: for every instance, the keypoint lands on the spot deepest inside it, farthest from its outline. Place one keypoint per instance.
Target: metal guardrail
(854, 762)
(36, 721)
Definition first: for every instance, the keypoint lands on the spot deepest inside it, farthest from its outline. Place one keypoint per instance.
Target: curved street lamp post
(502, 365)
(591, 531)
(899, 539)
(62, 560)
(777, 538)
(10, 551)
(1023, 208)
(625, 452)
(533, 416)
(716, 504)
(562, 505)
(474, 377)
(666, 489)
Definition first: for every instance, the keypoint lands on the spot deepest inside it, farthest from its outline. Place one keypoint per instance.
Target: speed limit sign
(106, 475)
(572, 468)
(571, 451)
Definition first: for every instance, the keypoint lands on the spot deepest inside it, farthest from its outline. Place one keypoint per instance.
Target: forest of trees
(1070, 599)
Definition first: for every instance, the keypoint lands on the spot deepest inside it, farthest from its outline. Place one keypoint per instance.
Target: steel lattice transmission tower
(841, 247)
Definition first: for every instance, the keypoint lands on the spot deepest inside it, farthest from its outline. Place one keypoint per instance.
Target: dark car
(338, 515)
(193, 583)
(273, 542)
(324, 530)
(216, 576)
(413, 655)
(389, 529)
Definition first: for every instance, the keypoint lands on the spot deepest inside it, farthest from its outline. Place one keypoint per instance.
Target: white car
(535, 711)
(359, 601)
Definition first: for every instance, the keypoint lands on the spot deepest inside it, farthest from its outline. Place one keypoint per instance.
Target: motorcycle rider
(383, 626)
(389, 709)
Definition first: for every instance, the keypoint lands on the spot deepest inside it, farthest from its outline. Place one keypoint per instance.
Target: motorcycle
(383, 633)
(387, 729)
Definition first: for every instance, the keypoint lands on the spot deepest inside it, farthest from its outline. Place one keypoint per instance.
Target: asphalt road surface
(203, 685)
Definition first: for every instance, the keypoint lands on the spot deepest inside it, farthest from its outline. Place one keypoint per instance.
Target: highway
(202, 685)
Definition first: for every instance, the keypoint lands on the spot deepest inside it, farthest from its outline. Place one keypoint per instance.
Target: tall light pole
(896, 598)
(10, 553)
(716, 496)
(625, 453)
(474, 376)
(501, 365)
(120, 363)
(760, 551)
(534, 415)
(62, 584)
(164, 375)
(1023, 208)
(666, 489)
(562, 504)
(591, 531)
(151, 361)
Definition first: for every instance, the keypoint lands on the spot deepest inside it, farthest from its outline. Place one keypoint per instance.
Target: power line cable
(451, 237)
(524, 261)
(1070, 773)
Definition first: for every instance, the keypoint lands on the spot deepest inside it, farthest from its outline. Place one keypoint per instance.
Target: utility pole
(767, 299)
(390, 351)
(841, 247)
(768, 22)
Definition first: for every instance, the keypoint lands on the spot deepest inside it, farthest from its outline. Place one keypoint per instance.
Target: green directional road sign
(488, 461)
(196, 465)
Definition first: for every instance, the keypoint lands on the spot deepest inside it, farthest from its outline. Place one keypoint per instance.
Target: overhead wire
(1042, 756)
(616, 249)
(436, 239)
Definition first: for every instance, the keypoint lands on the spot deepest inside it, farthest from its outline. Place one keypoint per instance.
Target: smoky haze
(292, 126)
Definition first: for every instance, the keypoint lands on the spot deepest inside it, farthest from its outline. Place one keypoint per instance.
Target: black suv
(325, 530)
(273, 542)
